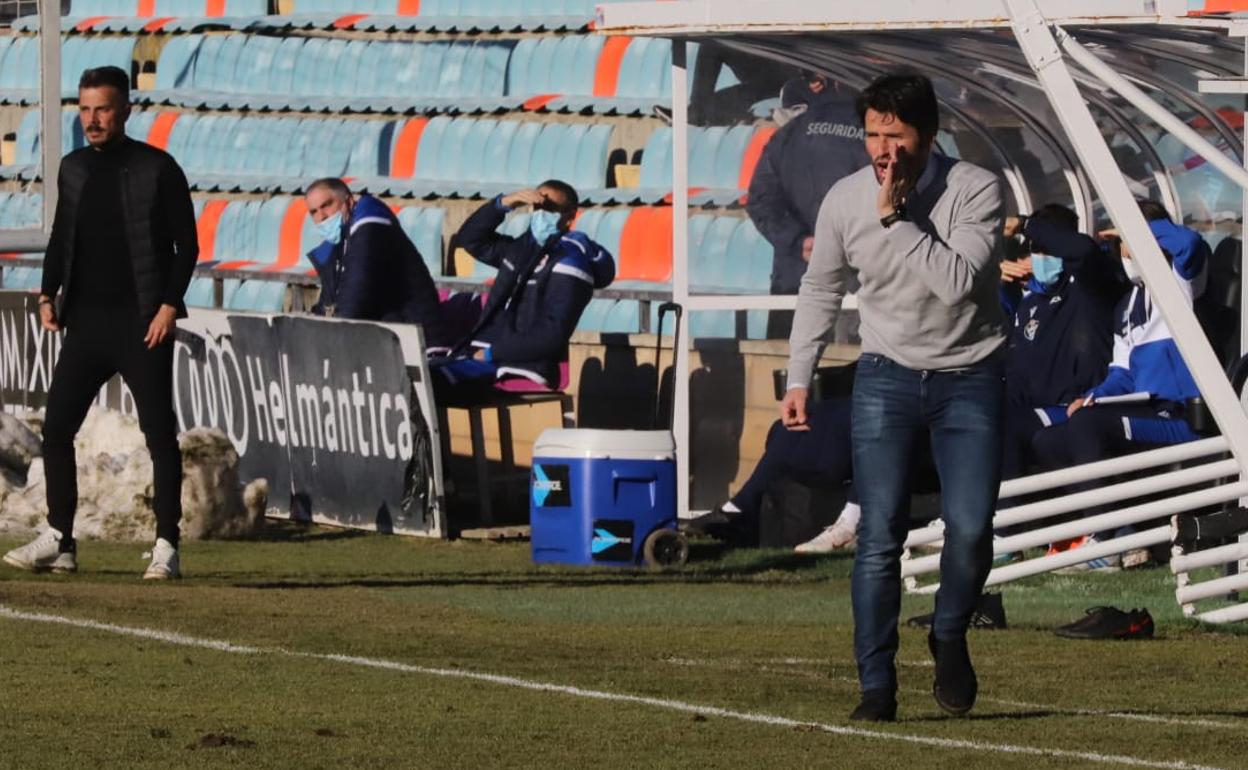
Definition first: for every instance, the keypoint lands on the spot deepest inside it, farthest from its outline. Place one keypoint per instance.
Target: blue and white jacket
(375, 273)
(538, 295)
(1146, 359)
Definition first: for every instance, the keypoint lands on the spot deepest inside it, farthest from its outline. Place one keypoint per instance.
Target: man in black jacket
(121, 253)
(545, 279)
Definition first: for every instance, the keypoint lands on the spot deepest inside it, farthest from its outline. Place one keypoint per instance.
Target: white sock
(850, 515)
(730, 507)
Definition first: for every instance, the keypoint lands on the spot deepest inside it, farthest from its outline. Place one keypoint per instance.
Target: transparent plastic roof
(996, 114)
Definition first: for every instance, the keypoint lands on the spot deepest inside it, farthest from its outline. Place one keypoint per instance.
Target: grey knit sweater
(928, 296)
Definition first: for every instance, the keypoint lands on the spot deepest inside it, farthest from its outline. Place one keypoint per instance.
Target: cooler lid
(600, 444)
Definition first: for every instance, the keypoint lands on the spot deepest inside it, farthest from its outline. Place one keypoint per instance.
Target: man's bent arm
(953, 268)
(54, 258)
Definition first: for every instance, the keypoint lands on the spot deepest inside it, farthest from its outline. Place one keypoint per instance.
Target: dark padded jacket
(375, 273)
(798, 166)
(538, 295)
(159, 226)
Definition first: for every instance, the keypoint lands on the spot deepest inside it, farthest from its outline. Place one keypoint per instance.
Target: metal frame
(1038, 30)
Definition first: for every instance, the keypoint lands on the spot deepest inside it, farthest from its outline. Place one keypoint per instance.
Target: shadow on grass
(287, 531)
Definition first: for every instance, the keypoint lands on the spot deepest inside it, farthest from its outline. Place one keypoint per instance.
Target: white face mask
(1133, 275)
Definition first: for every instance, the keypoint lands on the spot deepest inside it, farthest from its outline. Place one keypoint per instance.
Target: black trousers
(97, 346)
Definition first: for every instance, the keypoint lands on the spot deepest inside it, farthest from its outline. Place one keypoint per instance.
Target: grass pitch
(760, 633)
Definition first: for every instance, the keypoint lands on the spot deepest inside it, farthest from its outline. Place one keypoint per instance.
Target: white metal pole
(1226, 614)
(50, 103)
(1242, 565)
(1145, 539)
(1210, 557)
(680, 272)
(1211, 588)
(1040, 48)
(1172, 454)
(1039, 566)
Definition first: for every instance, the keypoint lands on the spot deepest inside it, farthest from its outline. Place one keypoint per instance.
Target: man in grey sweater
(922, 233)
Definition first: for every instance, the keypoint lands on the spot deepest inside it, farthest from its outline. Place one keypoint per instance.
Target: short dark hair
(1152, 210)
(113, 77)
(1059, 215)
(333, 184)
(571, 201)
(905, 94)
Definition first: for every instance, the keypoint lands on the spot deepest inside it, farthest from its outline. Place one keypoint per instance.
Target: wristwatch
(899, 213)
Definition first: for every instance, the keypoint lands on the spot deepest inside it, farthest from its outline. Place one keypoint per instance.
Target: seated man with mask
(1061, 299)
(545, 279)
(368, 267)
(1141, 401)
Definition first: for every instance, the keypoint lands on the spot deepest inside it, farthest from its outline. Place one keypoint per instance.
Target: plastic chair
(728, 157)
(467, 165)
(282, 75)
(656, 159)
(541, 63)
(591, 157)
(519, 160)
(584, 63)
(518, 68)
(176, 66)
(436, 140)
(548, 145)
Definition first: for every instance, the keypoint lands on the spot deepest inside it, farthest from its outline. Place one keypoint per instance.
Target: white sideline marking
(788, 666)
(578, 692)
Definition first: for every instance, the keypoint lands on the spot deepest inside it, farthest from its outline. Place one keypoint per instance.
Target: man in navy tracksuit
(545, 279)
(368, 267)
(1061, 332)
(798, 166)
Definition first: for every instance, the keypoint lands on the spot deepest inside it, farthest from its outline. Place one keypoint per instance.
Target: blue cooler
(596, 495)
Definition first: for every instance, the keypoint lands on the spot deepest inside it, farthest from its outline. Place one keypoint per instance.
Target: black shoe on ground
(1109, 623)
(736, 528)
(989, 614)
(955, 686)
(876, 706)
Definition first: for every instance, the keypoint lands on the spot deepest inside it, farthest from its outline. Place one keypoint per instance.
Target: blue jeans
(960, 412)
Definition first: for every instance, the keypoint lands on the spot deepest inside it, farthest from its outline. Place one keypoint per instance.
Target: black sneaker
(1109, 623)
(876, 706)
(989, 614)
(955, 686)
(736, 528)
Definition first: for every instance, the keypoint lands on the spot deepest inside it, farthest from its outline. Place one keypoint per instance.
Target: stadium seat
(707, 272)
(423, 226)
(610, 231)
(19, 63)
(594, 317)
(199, 293)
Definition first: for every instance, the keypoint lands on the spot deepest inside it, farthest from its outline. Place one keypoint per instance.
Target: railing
(1215, 481)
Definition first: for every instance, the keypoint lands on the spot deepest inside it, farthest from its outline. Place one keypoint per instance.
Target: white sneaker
(838, 535)
(43, 554)
(164, 564)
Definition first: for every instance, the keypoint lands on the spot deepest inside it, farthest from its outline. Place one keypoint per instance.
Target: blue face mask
(1047, 269)
(543, 224)
(330, 228)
